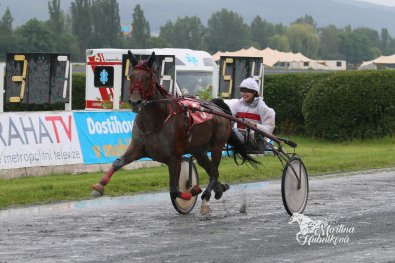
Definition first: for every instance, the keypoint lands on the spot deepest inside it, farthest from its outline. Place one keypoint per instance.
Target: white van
(105, 76)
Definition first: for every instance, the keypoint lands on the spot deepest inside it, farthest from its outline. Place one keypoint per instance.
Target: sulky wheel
(188, 179)
(294, 186)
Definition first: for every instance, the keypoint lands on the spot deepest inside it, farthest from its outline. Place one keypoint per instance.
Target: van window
(190, 82)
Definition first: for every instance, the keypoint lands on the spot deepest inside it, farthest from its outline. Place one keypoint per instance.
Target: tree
(140, 29)
(355, 47)
(329, 43)
(306, 20)
(167, 32)
(64, 41)
(227, 31)
(279, 42)
(385, 40)
(262, 31)
(304, 39)
(158, 42)
(371, 34)
(81, 26)
(391, 47)
(56, 18)
(186, 32)
(387, 43)
(6, 22)
(6, 33)
(34, 36)
(106, 24)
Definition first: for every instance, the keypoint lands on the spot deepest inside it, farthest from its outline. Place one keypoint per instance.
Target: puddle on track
(113, 202)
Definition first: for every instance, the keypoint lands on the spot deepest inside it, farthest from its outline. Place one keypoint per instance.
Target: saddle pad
(196, 116)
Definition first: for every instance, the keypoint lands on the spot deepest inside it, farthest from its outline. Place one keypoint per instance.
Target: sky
(381, 2)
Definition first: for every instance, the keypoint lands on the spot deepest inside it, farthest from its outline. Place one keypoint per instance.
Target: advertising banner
(30, 139)
(104, 136)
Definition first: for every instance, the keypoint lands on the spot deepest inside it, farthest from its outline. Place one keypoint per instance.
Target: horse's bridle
(148, 95)
(137, 85)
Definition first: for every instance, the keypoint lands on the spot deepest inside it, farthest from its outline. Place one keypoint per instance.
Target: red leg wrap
(106, 178)
(185, 195)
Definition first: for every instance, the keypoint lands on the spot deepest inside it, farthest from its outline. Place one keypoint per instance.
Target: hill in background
(325, 12)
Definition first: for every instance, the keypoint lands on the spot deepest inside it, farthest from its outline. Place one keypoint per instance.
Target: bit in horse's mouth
(136, 108)
(136, 105)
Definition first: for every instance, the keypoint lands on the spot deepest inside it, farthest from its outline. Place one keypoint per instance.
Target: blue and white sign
(104, 136)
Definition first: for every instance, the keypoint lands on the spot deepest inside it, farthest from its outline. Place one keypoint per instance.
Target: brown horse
(162, 133)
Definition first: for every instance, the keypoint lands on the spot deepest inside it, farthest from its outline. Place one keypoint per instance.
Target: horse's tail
(239, 149)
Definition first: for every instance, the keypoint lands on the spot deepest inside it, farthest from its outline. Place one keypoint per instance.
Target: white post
(115, 100)
(117, 95)
(2, 91)
(68, 105)
(67, 75)
(215, 90)
(262, 73)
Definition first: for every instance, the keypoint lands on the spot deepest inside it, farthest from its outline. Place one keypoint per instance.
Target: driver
(252, 108)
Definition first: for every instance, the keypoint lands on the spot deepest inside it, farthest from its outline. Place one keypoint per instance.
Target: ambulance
(180, 71)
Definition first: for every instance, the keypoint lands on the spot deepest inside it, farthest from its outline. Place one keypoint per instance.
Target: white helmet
(250, 84)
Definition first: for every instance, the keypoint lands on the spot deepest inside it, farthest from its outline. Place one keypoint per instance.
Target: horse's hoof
(205, 208)
(206, 195)
(98, 190)
(96, 193)
(219, 189)
(218, 196)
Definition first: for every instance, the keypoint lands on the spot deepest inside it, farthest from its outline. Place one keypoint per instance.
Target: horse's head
(142, 81)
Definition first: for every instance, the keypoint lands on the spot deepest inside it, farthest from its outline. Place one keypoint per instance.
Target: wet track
(146, 228)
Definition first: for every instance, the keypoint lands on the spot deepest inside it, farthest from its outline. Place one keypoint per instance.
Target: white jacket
(257, 112)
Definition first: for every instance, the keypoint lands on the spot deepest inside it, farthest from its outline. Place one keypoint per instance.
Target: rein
(172, 112)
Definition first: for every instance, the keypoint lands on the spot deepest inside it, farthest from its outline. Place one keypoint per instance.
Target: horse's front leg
(132, 153)
(174, 166)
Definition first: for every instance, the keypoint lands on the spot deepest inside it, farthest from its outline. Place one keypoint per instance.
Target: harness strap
(149, 95)
(172, 112)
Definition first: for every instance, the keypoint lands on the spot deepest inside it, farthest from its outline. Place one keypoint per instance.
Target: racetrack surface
(146, 228)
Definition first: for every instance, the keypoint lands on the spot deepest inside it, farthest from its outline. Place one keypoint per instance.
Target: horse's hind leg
(218, 188)
(131, 154)
(203, 160)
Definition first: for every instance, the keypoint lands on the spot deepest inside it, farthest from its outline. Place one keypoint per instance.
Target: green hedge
(351, 105)
(285, 93)
(78, 99)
